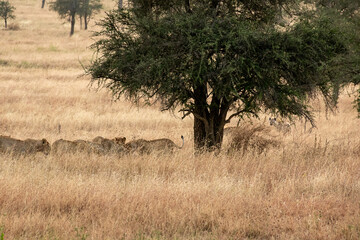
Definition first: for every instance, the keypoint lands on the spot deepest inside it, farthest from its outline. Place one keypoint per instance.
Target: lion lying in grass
(62, 146)
(115, 145)
(23, 147)
(163, 145)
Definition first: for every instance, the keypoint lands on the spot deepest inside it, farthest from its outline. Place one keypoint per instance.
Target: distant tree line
(69, 9)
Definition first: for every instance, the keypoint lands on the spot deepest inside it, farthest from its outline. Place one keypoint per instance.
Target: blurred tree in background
(68, 9)
(6, 11)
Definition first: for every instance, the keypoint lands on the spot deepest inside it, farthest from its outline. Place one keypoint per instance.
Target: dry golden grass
(305, 187)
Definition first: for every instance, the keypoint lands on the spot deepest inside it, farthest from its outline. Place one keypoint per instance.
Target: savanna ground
(305, 187)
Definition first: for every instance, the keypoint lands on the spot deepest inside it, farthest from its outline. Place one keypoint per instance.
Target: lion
(62, 146)
(120, 140)
(143, 146)
(115, 145)
(28, 146)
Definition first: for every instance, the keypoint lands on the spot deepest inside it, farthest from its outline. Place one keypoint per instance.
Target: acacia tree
(67, 9)
(6, 11)
(220, 59)
(87, 9)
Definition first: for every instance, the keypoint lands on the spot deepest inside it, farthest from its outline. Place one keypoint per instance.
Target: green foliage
(6, 11)
(350, 22)
(346, 7)
(210, 57)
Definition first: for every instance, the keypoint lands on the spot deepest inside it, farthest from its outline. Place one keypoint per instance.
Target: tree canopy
(219, 59)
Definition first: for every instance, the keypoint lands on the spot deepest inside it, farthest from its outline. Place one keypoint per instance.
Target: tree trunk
(5, 23)
(199, 124)
(214, 132)
(72, 24)
(86, 21)
(208, 123)
(120, 4)
(199, 135)
(207, 138)
(80, 22)
(43, 4)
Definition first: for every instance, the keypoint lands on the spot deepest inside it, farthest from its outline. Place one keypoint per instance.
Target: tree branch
(201, 118)
(186, 114)
(236, 114)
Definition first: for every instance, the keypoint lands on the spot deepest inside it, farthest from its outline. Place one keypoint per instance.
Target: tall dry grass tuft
(271, 186)
(254, 138)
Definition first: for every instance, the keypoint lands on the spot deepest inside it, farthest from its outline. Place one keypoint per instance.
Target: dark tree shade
(220, 59)
(6, 11)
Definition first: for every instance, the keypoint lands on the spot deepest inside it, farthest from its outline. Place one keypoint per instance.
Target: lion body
(142, 146)
(115, 145)
(62, 146)
(28, 146)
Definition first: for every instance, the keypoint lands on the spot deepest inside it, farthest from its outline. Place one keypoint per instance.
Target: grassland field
(307, 187)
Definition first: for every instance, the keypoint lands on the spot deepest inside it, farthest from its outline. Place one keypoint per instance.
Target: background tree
(220, 59)
(43, 4)
(87, 9)
(67, 9)
(351, 10)
(6, 11)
